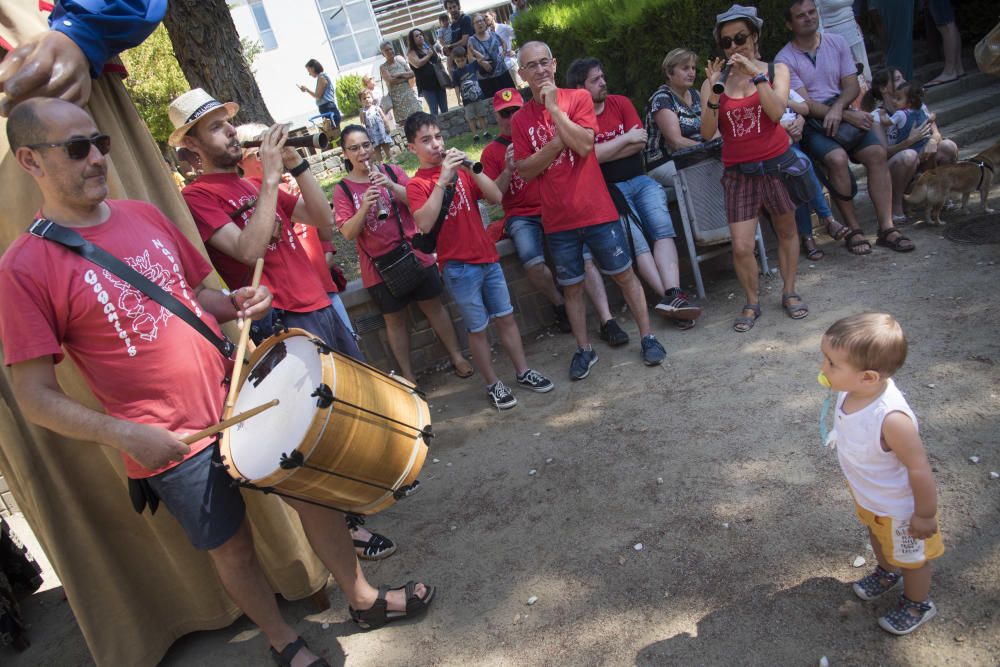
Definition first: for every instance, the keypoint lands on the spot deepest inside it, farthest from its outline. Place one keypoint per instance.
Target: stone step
(973, 80)
(982, 126)
(981, 96)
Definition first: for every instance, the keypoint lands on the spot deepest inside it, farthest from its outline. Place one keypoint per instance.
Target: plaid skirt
(747, 194)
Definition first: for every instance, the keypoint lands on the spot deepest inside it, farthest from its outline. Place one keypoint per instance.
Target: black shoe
(535, 381)
(502, 397)
(562, 319)
(612, 334)
(675, 306)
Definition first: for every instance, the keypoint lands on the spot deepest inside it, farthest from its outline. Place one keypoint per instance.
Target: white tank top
(878, 479)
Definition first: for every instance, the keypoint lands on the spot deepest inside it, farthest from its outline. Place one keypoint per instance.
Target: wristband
(297, 170)
(711, 105)
(759, 79)
(438, 185)
(232, 299)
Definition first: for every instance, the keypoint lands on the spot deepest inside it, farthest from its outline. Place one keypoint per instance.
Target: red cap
(506, 99)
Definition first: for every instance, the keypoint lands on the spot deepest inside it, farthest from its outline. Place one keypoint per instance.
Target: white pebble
(548, 460)
(326, 626)
(659, 480)
(812, 266)
(931, 385)
(536, 434)
(726, 526)
(532, 472)
(927, 256)
(995, 475)
(973, 459)
(532, 600)
(448, 464)
(859, 561)
(824, 662)
(435, 460)
(637, 546)
(454, 527)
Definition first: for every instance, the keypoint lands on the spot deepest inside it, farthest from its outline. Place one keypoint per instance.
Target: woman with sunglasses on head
(748, 112)
(376, 216)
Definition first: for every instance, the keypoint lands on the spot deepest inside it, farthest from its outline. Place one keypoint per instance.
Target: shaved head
(25, 126)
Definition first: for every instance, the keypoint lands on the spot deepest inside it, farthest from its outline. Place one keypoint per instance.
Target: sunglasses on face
(78, 149)
(507, 113)
(738, 40)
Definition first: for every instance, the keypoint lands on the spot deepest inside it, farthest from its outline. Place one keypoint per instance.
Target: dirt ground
(748, 541)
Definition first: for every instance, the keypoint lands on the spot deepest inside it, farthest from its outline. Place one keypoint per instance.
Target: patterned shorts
(747, 194)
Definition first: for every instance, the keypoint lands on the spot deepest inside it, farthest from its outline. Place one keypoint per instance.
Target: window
(267, 40)
(350, 27)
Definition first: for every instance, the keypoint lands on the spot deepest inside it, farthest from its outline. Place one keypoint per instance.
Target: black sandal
(812, 252)
(376, 547)
(379, 613)
(287, 654)
(897, 243)
(862, 247)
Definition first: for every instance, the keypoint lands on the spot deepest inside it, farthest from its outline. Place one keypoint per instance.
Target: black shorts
(429, 288)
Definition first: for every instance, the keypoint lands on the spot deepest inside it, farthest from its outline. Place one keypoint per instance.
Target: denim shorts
(202, 497)
(324, 323)
(606, 242)
(480, 292)
(817, 144)
(648, 200)
(526, 233)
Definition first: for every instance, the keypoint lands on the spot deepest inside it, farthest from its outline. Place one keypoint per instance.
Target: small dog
(934, 186)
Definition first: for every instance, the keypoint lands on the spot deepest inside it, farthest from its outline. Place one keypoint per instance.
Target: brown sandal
(836, 230)
(862, 247)
(899, 243)
(812, 252)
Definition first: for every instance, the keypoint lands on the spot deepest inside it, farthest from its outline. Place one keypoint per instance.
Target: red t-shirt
(377, 236)
(142, 363)
(521, 197)
(314, 247)
(212, 198)
(749, 134)
(618, 117)
(572, 188)
(463, 237)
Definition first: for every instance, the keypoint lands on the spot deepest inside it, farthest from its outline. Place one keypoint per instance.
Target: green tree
(154, 79)
(348, 87)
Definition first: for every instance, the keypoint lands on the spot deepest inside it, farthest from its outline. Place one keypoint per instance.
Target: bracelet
(438, 185)
(712, 106)
(297, 170)
(232, 299)
(759, 79)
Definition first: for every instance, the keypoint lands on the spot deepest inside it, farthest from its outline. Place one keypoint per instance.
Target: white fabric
(837, 16)
(878, 479)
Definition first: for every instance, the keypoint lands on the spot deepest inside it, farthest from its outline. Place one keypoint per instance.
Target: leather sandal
(379, 613)
(286, 655)
(796, 311)
(862, 247)
(899, 243)
(836, 230)
(811, 250)
(745, 323)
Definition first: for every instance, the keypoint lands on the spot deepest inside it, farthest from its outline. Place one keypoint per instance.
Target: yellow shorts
(898, 547)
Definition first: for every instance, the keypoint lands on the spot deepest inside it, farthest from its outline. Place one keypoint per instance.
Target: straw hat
(189, 108)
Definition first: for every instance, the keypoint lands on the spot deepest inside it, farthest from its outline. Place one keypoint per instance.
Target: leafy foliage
(631, 38)
(348, 87)
(154, 79)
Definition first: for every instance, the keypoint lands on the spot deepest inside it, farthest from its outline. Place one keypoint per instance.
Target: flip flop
(464, 370)
(934, 84)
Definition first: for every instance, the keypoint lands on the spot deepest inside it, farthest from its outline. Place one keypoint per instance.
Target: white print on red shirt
(745, 120)
(601, 137)
(542, 134)
(247, 214)
(371, 219)
(460, 199)
(131, 301)
(516, 183)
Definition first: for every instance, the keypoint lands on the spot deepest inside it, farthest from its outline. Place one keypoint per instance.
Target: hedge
(631, 38)
(348, 87)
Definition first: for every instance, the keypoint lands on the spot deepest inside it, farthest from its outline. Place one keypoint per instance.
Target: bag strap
(399, 223)
(504, 141)
(50, 231)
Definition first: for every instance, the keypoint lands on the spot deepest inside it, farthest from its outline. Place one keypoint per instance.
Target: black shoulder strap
(770, 72)
(504, 141)
(69, 238)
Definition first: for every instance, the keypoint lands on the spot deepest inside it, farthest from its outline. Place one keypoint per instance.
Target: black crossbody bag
(400, 269)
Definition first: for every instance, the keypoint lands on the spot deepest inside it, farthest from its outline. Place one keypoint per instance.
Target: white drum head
(290, 371)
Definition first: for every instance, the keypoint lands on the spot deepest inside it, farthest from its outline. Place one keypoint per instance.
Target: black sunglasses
(738, 40)
(78, 149)
(507, 113)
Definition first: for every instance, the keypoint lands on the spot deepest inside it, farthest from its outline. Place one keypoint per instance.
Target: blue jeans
(480, 292)
(649, 201)
(606, 242)
(437, 101)
(818, 203)
(526, 233)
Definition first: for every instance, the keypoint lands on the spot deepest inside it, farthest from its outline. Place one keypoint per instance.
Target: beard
(222, 158)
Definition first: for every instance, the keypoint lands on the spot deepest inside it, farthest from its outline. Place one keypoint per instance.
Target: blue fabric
(480, 292)
(803, 219)
(648, 201)
(606, 241)
(914, 118)
(437, 101)
(526, 233)
(329, 93)
(102, 30)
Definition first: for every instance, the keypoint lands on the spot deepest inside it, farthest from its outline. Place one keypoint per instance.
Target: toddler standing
(885, 464)
(377, 124)
(466, 78)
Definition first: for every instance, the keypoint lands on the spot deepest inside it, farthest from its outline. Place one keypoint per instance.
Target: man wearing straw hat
(157, 378)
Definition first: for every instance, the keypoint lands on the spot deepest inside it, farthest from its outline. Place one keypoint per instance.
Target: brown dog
(934, 186)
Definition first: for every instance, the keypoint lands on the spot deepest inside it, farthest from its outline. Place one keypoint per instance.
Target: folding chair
(703, 213)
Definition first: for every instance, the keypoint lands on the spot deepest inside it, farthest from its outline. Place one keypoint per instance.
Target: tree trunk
(208, 49)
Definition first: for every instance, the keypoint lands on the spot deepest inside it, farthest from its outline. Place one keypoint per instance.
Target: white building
(343, 35)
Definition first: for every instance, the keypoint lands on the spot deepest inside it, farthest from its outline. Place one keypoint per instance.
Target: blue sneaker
(653, 353)
(579, 368)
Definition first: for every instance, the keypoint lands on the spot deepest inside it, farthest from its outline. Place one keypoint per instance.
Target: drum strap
(69, 238)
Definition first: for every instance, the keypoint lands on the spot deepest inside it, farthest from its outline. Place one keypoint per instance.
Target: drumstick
(241, 349)
(226, 423)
